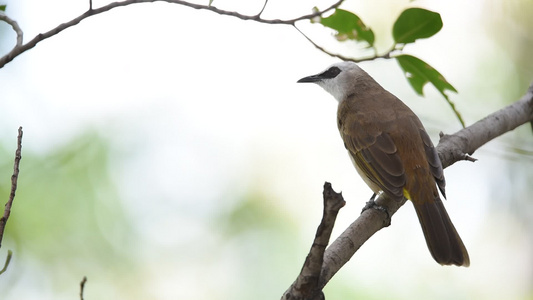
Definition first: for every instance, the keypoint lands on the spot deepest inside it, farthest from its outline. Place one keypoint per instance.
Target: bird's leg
(373, 197)
(372, 204)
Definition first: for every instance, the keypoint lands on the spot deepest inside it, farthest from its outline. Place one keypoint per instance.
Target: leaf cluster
(412, 24)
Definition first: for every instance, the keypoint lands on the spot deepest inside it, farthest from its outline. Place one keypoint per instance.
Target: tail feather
(442, 239)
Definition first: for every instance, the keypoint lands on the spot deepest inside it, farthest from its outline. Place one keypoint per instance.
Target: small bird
(392, 152)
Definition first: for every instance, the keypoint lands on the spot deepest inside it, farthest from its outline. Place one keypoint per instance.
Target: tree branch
(82, 286)
(385, 55)
(305, 286)
(6, 263)
(21, 48)
(14, 179)
(9, 204)
(459, 145)
(15, 27)
(262, 9)
(451, 149)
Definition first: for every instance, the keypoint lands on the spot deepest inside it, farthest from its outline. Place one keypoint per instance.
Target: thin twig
(306, 285)
(322, 49)
(8, 259)
(82, 286)
(15, 26)
(19, 49)
(386, 55)
(14, 178)
(262, 9)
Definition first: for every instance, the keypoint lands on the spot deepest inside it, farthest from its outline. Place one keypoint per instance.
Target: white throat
(338, 91)
(346, 82)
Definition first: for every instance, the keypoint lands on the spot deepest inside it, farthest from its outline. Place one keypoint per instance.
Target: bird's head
(340, 79)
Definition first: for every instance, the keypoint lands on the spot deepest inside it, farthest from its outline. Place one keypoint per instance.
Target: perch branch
(460, 145)
(451, 148)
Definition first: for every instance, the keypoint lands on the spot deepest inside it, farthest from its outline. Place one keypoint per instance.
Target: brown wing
(435, 164)
(373, 151)
(373, 147)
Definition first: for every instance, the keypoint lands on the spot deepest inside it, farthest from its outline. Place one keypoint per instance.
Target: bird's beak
(312, 78)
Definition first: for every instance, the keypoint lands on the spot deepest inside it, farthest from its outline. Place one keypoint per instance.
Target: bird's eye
(331, 72)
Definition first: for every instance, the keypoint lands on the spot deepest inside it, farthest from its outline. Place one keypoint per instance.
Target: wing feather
(377, 156)
(435, 164)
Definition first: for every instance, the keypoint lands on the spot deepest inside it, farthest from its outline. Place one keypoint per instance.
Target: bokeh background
(168, 153)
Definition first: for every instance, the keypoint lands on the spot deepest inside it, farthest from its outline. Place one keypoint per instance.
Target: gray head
(339, 79)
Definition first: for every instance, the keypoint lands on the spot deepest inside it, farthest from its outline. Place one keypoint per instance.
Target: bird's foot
(371, 204)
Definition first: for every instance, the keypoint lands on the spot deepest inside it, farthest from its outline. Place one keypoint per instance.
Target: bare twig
(262, 9)
(387, 54)
(322, 49)
(14, 178)
(15, 26)
(306, 284)
(8, 259)
(20, 48)
(82, 286)
(9, 204)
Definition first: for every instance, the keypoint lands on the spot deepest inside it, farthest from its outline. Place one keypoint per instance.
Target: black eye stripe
(331, 73)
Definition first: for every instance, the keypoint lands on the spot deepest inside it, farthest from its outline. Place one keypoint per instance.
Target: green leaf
(418, 73)
(416, 23)
(3, 7)
(348, 27)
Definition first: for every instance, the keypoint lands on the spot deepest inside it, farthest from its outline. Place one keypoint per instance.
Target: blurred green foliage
(265, 239)
(66, 211)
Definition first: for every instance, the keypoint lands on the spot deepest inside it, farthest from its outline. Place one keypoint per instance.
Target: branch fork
(451, 148)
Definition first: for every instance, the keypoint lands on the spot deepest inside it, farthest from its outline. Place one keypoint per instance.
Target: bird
(392, 152)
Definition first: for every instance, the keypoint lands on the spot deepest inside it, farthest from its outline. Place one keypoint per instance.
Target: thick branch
(451, 149)
(20, 48)
(345, 246)
(455, 147)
